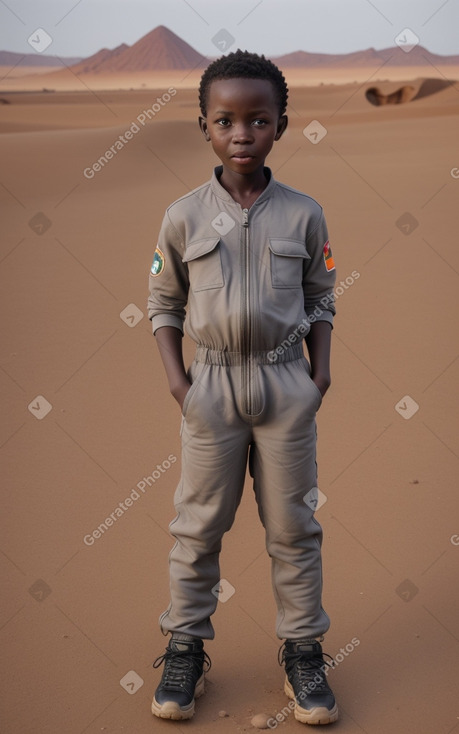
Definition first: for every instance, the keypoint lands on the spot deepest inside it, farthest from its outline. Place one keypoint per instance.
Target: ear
(281, 126)
(203, 127)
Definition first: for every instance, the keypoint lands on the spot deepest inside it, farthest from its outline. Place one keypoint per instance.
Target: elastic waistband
(223, 358)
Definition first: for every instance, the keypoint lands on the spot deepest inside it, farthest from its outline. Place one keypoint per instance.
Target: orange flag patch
(328, 257)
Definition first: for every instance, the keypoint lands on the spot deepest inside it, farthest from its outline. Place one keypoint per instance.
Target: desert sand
(90, 432)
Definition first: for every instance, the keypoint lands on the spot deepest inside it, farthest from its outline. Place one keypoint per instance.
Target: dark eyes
(224, 122)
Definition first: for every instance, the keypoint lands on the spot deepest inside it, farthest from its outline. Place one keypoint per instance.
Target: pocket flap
(198, 248)
(288, 248)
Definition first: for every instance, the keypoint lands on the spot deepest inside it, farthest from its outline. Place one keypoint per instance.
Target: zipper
(247, 326)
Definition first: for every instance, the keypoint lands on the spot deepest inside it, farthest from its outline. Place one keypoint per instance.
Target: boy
(249, 258)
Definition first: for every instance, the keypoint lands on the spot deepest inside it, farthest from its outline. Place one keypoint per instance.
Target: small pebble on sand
(222, 714)
(260, 721)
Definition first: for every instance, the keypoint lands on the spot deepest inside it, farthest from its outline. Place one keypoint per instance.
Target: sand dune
(407, 93)
(401, 95)
(78, 233)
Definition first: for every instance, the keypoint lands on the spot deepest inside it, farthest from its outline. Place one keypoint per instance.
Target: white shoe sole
(171, 709)
(317, 716)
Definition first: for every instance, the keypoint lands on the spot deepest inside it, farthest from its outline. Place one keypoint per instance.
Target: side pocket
(188, 396)
(194, 373)
(319, 394)
(307, 368)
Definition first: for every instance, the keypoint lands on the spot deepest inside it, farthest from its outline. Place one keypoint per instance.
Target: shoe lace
(178, 664)
(306, 666)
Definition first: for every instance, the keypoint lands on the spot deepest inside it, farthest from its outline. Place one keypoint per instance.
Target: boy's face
(242, 122)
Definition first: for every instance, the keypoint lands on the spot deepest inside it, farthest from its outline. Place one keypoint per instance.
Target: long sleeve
(168, 279)
(319, 275)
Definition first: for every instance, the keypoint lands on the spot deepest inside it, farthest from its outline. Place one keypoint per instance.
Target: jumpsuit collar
(222, 193)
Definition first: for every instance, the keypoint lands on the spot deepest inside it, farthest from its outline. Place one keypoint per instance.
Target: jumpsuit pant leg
(216, 436)
(283, 465)
(215, 444)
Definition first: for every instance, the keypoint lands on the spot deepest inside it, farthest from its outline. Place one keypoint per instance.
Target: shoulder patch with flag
(159, 263)
(328, 257)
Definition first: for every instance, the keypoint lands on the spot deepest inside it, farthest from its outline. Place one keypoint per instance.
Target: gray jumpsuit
(246, 286)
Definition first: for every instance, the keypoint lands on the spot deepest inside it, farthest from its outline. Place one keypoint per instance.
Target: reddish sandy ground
(78, 617)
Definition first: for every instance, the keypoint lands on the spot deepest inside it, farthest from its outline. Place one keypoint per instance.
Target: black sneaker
(182, 680)
(306, 682)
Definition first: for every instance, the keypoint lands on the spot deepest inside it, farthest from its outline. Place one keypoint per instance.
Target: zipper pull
(245, 217)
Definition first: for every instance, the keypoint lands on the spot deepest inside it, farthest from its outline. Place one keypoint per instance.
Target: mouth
(242, 157)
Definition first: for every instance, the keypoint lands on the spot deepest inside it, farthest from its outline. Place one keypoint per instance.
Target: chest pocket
(204, 264)
(287, 259)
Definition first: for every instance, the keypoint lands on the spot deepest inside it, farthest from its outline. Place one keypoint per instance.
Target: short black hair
(245, 65)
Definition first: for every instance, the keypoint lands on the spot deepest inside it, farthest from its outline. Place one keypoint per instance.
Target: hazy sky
(273, 27)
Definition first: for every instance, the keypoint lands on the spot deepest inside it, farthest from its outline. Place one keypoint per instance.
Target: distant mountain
(161, 49)
(418, 56)
(158, 50)
(95, 61)
(302, 59)
(10, 58)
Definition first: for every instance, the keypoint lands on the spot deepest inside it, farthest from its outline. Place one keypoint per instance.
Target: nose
(242, 133)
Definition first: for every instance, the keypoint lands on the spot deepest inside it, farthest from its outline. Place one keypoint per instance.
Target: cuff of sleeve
(324, 316)
(166, 319)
